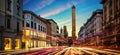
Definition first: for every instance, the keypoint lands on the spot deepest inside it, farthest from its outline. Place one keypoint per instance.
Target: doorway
(17, 43)
(8, 43)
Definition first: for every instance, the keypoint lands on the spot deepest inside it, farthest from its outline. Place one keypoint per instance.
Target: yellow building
(34, 30)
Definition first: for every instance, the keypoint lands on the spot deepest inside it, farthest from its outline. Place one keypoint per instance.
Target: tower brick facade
(73, 23)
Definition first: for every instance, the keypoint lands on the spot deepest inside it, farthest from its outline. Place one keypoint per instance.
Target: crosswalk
(86, 51)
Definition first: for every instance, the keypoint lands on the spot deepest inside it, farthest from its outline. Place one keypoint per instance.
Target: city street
(73, 51)
(59, 27)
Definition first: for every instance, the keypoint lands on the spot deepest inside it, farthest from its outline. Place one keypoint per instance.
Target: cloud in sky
(61, 8)
(64, 22)
(43, 4)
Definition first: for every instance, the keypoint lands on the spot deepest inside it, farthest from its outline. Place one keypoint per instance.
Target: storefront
(33, 39)
(26, 39)
(17, 43)
(8, 43)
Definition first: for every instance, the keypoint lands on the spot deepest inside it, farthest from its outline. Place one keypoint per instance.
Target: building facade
(96, 27)
(54, 32)
(34, 30)
(65, 32)
(64, 35)
(90, 32)
(111, 23)
(10, 24)
(49, 35)
(81, 34)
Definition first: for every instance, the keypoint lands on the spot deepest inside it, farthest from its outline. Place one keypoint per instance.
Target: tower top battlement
(73, 6)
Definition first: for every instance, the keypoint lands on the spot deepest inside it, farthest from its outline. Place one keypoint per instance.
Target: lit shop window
(27, 44)
(7, 43)
(41, 35)
(42, 43)
(27, 32)
(34, 33)
(31, 32)
(34, 43)
(23, 31)
(38, 34)
(17, 44)
(23, 39)
(31, 43)
(44, 35)
(39, 43)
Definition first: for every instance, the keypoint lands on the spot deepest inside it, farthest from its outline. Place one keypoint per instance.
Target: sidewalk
(10, 52)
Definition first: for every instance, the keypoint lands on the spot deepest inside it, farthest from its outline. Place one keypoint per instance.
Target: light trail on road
(72, 51)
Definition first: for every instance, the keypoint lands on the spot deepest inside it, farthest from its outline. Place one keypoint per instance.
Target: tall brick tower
(65, 32)
(73, 23)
